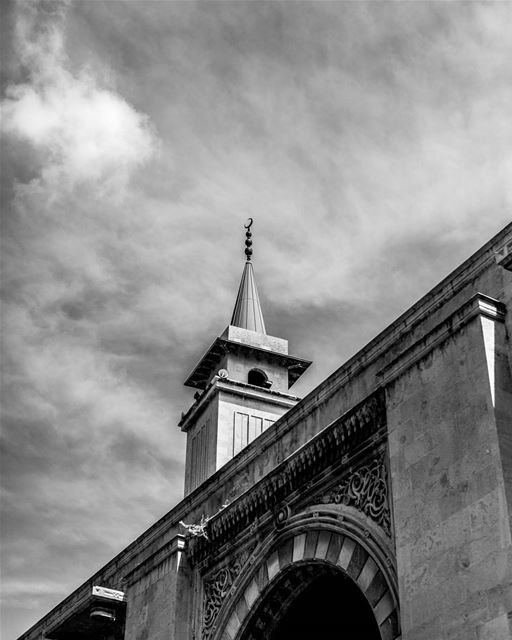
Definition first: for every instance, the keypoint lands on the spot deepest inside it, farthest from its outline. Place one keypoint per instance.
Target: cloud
(87, 133)
(76, 415)
(340, 147)
(28, 594)
(83, 132)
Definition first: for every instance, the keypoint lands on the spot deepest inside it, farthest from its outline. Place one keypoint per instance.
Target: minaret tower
(243, 383)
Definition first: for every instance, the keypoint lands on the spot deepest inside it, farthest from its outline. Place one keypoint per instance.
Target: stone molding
(221, 346)
(477, 305)
(98, 597)
(338, 440)
(235, 387)
(176, 545)
(504, 256)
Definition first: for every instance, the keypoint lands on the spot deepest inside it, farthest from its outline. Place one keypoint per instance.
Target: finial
(248, 241)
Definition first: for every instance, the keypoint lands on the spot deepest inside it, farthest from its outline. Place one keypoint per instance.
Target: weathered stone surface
(450, 511)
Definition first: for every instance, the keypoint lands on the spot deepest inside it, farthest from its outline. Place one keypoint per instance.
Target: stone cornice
(79, 613)
(257, 393)
(504, 256)
(176, 545)
(338, 439)
(477, 305)
(221, 346)
(237, 388)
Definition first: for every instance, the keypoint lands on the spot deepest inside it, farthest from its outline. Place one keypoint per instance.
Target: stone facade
(394, 473)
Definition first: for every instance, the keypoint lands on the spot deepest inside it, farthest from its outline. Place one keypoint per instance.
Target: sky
(370, 142)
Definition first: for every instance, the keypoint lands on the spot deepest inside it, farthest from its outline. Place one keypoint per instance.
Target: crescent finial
(248, 241)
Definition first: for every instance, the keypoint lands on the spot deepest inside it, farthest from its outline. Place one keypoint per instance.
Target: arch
(312, 600)
(309, 545)
(258, 378)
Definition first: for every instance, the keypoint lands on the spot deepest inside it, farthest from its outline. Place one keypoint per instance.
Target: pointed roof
(247, 312)
(246, 335)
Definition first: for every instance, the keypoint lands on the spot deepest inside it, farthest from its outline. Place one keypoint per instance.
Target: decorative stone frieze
(366, 489)
(216, 589)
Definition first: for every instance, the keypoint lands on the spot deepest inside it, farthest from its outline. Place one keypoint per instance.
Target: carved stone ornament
(196, 530)
(281, 516)
(217, 588)
(199, 530)
(365, 489)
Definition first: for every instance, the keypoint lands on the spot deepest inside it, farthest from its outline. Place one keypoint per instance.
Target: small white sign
(112, 594)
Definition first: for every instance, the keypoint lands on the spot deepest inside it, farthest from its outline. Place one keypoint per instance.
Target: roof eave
(199, 376)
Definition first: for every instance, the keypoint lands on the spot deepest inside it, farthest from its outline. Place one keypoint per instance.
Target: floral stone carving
(366, 489)
(217, 588)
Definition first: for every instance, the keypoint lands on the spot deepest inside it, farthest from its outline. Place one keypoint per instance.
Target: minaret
(243, 381)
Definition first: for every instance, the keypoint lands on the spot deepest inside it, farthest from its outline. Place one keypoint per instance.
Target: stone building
(375, 508)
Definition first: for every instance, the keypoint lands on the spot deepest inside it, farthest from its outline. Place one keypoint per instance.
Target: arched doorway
(313, 600)
(331, 607)
(322, 578)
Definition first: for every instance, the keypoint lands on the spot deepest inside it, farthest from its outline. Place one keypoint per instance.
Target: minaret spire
(247, 313)
(244, 382)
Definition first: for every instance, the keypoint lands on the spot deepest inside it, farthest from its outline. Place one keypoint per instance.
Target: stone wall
(450, 510)
(159, 597)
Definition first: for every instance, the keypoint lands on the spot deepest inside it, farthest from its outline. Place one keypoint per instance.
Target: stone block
(441, 538)
(498, 628)
(499, 599)
(494, 568)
